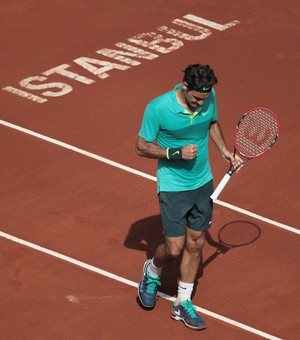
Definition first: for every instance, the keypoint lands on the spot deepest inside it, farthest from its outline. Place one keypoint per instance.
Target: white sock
(184, 292)
(153, 270)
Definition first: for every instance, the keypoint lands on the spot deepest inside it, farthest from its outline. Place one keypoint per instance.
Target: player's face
(195, 99)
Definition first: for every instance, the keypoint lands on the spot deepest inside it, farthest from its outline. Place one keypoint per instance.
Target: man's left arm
(216, 135)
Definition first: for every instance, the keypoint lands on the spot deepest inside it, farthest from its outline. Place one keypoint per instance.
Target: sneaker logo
(177, 312)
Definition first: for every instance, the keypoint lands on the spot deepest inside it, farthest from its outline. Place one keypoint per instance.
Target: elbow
(138, 149)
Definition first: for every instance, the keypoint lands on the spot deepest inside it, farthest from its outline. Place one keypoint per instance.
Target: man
(175, 130)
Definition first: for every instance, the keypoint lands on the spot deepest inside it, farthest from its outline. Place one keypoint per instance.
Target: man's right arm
(149, 149)
(152, 150)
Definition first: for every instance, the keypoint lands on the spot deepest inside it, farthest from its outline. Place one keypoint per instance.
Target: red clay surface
(109, 218)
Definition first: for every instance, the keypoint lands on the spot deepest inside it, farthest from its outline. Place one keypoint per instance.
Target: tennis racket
(255, 133)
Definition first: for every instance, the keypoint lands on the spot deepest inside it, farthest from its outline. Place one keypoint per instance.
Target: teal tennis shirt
(172, 126)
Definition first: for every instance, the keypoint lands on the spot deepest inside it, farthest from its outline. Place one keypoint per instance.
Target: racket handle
(220, 187)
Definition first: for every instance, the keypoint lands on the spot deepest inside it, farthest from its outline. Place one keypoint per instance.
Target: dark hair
(198, 76)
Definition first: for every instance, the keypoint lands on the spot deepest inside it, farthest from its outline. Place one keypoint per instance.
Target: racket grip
(220, 187)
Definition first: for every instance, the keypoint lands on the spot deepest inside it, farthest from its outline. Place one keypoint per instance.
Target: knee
(195, 244)
(201, 241)
(174, 250)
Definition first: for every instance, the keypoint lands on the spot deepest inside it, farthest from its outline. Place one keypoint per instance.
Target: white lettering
(61, 69)
(204, 31)
(24, 94)
(26, 83)
(100, 72)
(138, 51)
(211, 24)
(116, 55)
(100, 68)
(155, 40)
(119, 55)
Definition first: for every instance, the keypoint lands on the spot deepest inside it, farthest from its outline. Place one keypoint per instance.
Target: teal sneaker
(186, 312)
(147, 288)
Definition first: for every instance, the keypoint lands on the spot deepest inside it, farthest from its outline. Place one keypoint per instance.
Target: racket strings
(256, 132)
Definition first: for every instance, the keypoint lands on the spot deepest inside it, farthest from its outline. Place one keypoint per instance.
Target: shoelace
(152, 284)
(190, 308)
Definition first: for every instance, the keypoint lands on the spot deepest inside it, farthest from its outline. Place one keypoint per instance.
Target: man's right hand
(189, 151)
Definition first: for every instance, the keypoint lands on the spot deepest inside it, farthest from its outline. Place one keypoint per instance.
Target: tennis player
(175, 130)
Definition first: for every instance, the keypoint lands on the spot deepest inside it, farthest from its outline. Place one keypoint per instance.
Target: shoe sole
(178, 318)
(140, 298)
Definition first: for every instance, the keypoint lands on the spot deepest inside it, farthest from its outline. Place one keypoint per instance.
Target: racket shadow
(235, 234)
(231, 235)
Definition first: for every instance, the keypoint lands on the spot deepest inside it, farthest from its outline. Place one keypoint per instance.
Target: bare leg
(191, 255)
(166, 252)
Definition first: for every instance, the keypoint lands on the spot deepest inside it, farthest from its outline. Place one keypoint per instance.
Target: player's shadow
(146, 235)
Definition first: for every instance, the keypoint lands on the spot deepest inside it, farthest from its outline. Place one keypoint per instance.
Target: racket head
(256, 132)
(238, 234)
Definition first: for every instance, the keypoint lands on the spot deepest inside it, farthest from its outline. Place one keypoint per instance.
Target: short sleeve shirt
(172, 126)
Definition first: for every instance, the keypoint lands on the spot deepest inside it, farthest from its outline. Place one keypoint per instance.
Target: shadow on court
(146, 235)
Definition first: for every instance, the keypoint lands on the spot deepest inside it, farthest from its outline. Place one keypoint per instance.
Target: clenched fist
(189, 151)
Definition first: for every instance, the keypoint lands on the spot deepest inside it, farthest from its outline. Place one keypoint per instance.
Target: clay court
(79, 213)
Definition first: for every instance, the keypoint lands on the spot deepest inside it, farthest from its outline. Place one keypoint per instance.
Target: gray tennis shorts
(192, 209)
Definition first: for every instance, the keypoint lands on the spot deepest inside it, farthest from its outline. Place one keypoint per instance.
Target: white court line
(131, 283)
(258, 217)
(140, 173)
